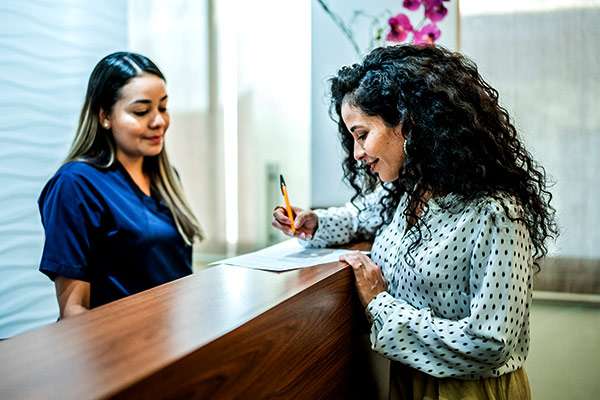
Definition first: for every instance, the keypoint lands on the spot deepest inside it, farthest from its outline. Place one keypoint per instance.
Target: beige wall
(564, 358)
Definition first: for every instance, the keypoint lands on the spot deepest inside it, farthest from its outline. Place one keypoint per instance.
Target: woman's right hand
(306, 222)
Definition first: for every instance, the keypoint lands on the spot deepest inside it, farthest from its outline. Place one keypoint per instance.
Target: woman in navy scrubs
(114, 214)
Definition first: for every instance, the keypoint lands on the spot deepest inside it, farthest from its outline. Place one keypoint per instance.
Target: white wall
(48, 51)
(175, 36)
(274, 110)
(267, 65)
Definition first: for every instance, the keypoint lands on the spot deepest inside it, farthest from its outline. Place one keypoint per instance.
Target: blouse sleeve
(341, 225)
(500, 284)
(71, 215)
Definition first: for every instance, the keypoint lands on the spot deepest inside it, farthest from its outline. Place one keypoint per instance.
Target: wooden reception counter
(225, 332)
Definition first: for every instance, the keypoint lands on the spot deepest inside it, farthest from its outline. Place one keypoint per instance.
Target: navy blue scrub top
(101, 228)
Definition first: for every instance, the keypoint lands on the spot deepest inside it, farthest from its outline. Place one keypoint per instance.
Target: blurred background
(248, 86)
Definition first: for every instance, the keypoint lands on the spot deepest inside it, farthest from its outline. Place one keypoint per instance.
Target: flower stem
(341, 24)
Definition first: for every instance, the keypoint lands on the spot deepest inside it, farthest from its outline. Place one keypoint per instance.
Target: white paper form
(285, 256)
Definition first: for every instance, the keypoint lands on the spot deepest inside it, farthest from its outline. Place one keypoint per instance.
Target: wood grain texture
(299, 349)
(226, 332)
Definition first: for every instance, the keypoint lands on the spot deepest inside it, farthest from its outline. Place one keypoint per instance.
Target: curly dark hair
(459, 140)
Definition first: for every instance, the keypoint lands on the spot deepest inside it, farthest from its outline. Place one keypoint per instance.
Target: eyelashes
(142, 113)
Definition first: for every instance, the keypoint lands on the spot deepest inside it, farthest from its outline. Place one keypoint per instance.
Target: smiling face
(139, 119)
(377, 145)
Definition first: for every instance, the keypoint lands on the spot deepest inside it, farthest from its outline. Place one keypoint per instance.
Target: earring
(405, 151)
(106, 125)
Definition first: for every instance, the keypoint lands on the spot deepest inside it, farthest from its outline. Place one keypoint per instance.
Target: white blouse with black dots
(462, 309)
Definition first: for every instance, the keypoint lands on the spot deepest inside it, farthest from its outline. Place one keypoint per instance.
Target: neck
(133, 165)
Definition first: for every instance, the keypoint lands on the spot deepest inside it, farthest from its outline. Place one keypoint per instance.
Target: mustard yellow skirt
(410, 384)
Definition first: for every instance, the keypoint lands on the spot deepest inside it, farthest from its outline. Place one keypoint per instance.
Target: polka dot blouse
(462, 309)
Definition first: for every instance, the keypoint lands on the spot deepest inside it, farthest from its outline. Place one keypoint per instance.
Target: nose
(158, 121)
(359, 151)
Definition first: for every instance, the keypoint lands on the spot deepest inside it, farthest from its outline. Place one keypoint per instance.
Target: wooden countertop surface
(101, 353)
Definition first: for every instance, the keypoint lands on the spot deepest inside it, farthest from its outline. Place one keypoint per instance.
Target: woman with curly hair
(459, 215)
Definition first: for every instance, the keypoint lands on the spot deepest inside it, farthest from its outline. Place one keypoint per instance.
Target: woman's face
(139, 119)
(377, 145)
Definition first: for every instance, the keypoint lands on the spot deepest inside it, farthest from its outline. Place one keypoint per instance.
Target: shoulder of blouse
(501, 204)
(79, 169)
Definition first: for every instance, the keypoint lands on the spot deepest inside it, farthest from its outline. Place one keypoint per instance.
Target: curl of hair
(96, 145)
(459, 140)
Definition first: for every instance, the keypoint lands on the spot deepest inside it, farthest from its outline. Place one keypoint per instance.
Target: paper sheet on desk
(285, 256)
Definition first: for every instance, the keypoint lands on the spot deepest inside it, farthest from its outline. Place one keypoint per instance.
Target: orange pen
(286, 199)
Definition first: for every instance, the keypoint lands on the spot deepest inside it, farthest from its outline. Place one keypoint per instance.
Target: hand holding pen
(293, 221)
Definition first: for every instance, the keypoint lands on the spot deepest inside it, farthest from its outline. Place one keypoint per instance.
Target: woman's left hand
(369, 279)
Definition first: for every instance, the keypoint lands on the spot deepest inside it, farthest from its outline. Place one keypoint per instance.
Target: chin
(387, 178)
(153, 151)
(388, 174)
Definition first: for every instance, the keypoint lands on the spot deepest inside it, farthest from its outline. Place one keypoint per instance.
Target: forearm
(402, 333)
(335, 227)
(73, 296)
(341, 225)
(71, 310)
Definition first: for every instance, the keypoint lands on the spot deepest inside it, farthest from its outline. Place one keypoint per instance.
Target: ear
(104, 119)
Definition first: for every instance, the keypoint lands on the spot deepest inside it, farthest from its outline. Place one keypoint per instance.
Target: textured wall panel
(47, 51)
(550, 83)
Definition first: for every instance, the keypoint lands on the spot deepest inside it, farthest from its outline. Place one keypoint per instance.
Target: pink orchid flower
(411, 4)
(435, 10)
(427, 35)
(400, 26)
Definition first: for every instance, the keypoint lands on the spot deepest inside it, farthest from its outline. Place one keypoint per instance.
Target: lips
(155, 139)
(371, 164)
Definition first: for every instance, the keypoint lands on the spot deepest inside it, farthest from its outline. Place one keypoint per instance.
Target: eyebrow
(146, 101)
